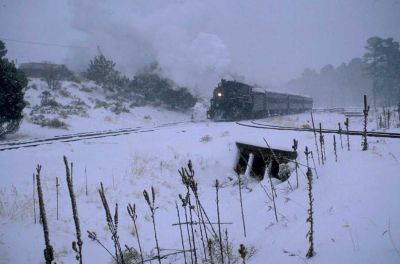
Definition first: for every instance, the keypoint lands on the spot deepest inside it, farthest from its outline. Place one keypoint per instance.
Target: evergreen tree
(12, 84)
(160, 90)
(103, 72)
(383, 66)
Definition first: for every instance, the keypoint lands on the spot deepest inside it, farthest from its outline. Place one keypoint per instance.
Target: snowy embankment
(357, 219)
(81, 107)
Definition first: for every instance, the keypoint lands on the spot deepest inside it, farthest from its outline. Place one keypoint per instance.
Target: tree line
(376, 73)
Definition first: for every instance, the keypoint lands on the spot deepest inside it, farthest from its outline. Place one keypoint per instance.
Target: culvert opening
(255, 160)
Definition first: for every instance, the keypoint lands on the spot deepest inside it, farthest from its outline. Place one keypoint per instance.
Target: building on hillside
(46, 70)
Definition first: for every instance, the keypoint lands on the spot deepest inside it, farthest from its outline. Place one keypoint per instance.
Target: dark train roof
(257, 89)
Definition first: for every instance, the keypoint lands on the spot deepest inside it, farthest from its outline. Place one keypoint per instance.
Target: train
(233, 100)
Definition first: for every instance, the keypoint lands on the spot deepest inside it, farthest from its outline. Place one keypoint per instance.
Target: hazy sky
(198, 41)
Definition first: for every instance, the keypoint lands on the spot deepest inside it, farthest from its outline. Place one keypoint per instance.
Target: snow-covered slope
(81, 107)
(357, 219)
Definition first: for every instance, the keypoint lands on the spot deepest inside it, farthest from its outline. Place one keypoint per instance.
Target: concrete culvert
(253, 161)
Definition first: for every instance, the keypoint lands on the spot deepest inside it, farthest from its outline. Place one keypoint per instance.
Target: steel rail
(329, 131)
(10, 145)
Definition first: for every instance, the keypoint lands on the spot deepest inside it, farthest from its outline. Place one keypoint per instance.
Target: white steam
(198, 42)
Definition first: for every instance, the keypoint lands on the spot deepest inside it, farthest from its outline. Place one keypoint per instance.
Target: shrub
(77, 107)
(85, 89)
(65, 93)
(63, 114)
(206, 138)
(56, 123)
(229, 251)
(119, 108)
(42, 121)
(284, 171)
(99, 104)
(47, 100)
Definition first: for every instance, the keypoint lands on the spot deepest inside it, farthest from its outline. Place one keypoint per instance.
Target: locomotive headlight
(219, 94)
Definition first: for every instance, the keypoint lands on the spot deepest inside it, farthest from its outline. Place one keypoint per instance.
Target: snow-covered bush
(42, 121)
(230, 252)
(284, 171)
(206, 138)
(100, 104)
(118, 108)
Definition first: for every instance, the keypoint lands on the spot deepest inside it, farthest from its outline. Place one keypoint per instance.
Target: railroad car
(234, 100)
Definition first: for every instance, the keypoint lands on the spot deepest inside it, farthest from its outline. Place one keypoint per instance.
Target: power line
(43, 43)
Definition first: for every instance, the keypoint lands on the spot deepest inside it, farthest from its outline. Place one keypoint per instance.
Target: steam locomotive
(234, 100)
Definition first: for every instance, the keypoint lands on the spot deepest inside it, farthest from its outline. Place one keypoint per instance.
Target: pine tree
(383, 62)
(103, 72)
(12, 84)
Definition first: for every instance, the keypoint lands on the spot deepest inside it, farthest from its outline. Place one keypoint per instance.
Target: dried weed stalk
(310, 218)
(241, 200)
(48, 251)
(153, 208)
(243, 253)
(132, 213)
(76, 245)
(112, 225)
(181, 232)
(217, 186)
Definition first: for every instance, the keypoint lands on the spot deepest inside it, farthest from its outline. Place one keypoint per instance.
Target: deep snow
(356, 199)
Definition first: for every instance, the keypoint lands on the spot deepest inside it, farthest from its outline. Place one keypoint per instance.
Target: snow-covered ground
(357, 216)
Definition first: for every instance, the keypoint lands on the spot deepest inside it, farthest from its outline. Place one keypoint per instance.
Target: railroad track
(16, 144)
(255, 124)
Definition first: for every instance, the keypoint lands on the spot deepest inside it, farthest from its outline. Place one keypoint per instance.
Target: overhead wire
(43, 43)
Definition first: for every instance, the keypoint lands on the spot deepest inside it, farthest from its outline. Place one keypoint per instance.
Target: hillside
(79, 107)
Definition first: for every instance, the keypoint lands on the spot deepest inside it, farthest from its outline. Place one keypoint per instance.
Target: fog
(198, 42)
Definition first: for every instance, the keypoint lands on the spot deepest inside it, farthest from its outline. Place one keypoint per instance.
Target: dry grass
(14, 205)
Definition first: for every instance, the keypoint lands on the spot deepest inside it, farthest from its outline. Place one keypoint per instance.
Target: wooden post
(315, 136)
(321, 142)
(57, 184)
(34, 199)
(294, 147)
(86, 188)
(346, 123)
(334, 147)
(340, 134)
(366, 110)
